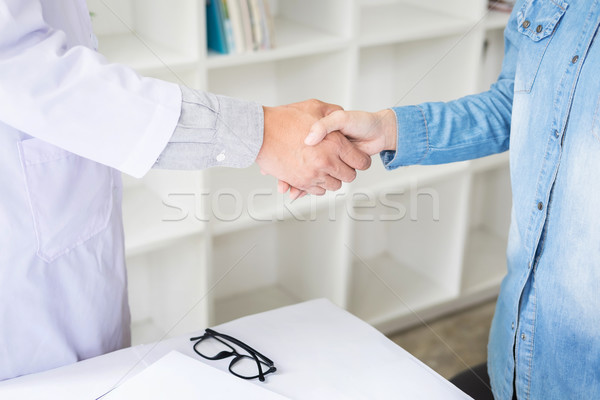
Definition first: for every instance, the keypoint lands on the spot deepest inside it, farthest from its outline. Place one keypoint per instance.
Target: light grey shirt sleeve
(213, 131)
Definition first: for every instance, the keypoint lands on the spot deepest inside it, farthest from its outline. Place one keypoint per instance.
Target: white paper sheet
(177, 376)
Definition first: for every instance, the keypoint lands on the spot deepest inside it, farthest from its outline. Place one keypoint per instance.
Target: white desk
(320, 351)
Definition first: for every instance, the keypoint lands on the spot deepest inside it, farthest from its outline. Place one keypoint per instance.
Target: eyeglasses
(213, 346)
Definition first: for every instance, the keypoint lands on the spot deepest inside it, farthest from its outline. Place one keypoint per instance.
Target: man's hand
(370, 132)
(313, 169)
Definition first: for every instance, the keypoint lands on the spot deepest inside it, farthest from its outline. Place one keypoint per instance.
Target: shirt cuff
(412, 138)
(214, 131)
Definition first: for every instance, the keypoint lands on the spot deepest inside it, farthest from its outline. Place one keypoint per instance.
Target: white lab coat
(68, 123)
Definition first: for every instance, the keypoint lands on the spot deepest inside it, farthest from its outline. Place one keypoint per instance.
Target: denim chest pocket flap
(537, 21)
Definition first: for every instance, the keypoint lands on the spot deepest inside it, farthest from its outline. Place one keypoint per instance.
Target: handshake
(312, 147)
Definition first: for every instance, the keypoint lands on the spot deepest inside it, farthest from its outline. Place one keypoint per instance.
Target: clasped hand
(338, 143)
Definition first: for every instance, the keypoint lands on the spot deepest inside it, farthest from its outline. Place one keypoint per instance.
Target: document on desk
(177, 376)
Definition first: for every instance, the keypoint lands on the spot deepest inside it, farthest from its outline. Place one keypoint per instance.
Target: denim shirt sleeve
(470, 127)
(213, 131)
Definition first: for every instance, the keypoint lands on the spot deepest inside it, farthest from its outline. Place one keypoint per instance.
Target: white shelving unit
(392, 247)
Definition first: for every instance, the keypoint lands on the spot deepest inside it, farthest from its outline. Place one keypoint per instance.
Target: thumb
(332, 122)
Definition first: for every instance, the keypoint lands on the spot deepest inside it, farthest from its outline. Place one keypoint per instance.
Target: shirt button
(557, 133)
(574, 60)
(538, 29)
(512, 326)
(221, 157)
(523, 336)
(529, 265)
(540, 204)
(526, 24)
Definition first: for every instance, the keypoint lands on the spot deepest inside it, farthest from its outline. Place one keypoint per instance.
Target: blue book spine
(215, 30)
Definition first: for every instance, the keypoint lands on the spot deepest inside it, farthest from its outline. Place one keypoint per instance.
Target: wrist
(266, 123)
(388, 127)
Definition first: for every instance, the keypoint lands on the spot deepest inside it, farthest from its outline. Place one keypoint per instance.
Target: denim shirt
(545, 107)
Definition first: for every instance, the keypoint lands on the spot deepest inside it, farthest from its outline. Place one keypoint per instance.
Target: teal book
(215, 29)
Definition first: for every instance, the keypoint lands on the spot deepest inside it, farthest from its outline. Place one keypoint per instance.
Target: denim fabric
(545, 106)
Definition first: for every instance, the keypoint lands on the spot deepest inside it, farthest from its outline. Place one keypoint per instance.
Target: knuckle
(314, 102)
(322, 163)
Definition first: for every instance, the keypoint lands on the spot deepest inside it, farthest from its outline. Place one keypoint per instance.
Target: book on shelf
(215, 31)
(228, 27)
(239, 26)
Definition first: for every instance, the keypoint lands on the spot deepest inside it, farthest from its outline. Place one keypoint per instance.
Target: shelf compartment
(293, 40)
(491, 58)
(489, 220)
(377, 178)
(424, 70)
(142, 54)
(154, 216)
(252, 302)
(134, 32)
(167, 293)
(145, 331)
(413, 240)
(401, 22)
(246, 199)
(250, 264)
(490, 162)
(286, 81)
(301, 28)
(485, 262)
(385, 290)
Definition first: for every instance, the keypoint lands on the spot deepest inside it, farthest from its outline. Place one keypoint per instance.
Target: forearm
(467, 128)
(213, 131)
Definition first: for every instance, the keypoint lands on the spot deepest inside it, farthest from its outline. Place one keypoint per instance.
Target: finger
(328, 182)
(335, 121)
(282, 186)
(353, 157)
(316, 190)
(296, 193)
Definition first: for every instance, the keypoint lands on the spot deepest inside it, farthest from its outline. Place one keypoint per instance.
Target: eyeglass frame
(254, 354)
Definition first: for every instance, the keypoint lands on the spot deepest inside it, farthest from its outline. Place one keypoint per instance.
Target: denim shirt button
(574, 60)
(526, 24)
(512, 326)
(538, 29)
(523, 336)
(557, 133)
(540, 206)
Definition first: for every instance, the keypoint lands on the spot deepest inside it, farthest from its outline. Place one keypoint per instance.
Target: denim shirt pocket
(537, 21)
(70, 197)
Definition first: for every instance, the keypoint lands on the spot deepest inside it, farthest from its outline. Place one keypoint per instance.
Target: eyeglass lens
(245, 366)
(213, 348)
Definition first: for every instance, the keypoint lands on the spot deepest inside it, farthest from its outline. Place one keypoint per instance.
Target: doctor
(69, 124)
